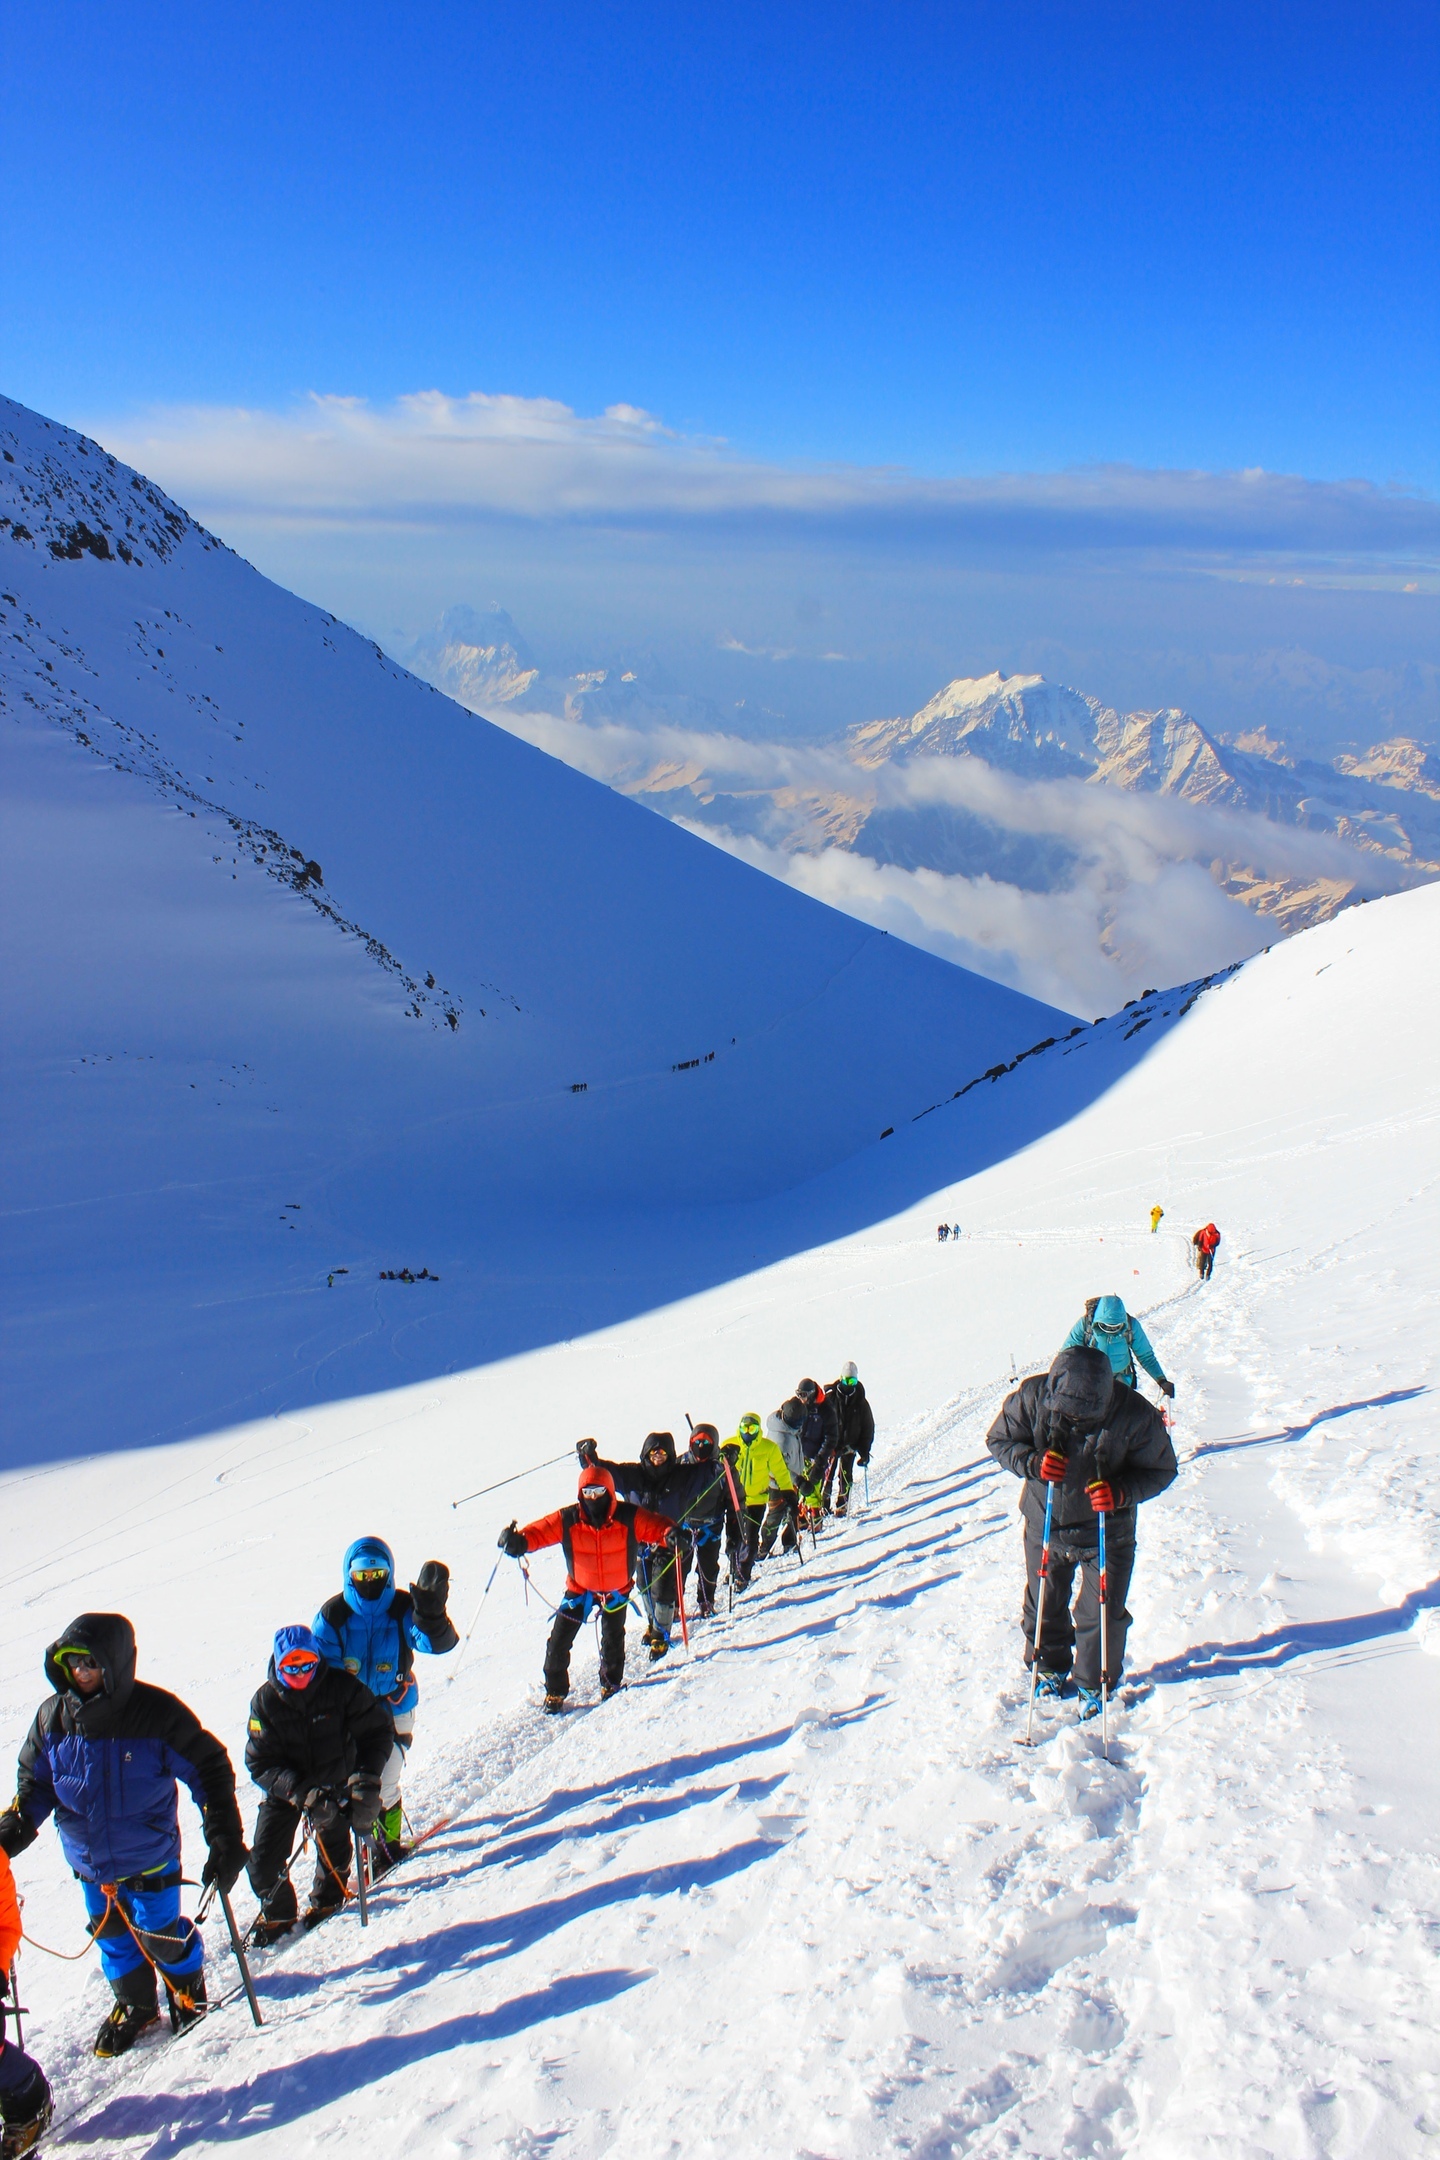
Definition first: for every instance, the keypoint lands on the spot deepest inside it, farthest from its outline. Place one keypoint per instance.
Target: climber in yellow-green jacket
(757, 1466)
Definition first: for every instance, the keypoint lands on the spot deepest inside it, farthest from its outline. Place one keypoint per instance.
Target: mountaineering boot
(1089, 1703)
(326, 1897)
(265, 1930)
(134, 2008)
(27, 2112)
(658, 1647)
(609, 1688)
(187, 2000)
(553, 1703)
(1051, 1684)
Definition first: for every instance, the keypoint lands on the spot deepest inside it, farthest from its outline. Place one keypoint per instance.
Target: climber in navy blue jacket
(373, 1631)
(104, 1756)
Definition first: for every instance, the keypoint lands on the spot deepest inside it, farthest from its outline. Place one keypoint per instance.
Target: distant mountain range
(883, 790)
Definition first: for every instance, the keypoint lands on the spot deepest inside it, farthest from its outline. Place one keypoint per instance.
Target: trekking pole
(361, 1886)
(1040, 1611)
(472, 1627)
(511, 1480)
(239, 1948)
(680, 1599)
(1104, 1644)
(15, 2002)
(866, 1468)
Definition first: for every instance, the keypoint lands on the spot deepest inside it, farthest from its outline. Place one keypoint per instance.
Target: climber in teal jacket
(1105, 1325)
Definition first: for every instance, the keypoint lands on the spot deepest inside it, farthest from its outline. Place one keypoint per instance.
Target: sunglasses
(594, 1492)
(300, 1664)
(78, 1661)
(369, 1574)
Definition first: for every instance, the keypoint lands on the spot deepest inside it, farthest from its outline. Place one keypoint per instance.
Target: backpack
(1091, 1344)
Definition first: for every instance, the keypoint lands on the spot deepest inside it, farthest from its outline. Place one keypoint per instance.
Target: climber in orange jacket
(25, 2103)
(600, 1537)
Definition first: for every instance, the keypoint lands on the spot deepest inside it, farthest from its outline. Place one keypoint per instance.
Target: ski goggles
(1108, 1327)
(298, 1668)
(369, 1574)
(853, 1381)
(750, 1426)
(594, 1493)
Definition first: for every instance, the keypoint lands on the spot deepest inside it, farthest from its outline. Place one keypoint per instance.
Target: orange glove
(1053, 1466)
(1104, 1497)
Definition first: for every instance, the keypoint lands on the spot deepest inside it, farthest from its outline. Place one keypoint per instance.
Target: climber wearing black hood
(104, 1756)
(1104, 1448)
(687, 1491)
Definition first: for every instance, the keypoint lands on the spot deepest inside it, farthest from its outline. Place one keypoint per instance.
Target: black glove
(430, 1594)
(587, 1451)
(16, 1832)
(224, 1861)
(322, 1807)
(1167, 1387)
(364, 1802)
(680, 1537)
(512, 1541)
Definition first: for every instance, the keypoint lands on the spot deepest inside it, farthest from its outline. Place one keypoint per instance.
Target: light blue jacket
(374, 1638)
(1120, 1336)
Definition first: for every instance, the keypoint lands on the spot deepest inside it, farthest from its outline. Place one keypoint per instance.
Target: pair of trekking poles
(1042, 1584)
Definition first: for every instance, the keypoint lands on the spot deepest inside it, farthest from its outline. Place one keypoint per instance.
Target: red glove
(1053, 1466)
(1104, 1497)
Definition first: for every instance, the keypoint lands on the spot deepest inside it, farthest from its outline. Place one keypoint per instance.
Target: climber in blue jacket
(373, 1631)
(1105, 1325)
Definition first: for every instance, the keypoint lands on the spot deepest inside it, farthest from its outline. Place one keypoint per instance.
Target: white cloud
(430, 459)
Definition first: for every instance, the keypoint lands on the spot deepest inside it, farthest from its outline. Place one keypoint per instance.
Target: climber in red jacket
(1205, 1242)
(600, 1538)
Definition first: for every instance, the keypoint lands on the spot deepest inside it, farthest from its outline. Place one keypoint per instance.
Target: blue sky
(956, 240)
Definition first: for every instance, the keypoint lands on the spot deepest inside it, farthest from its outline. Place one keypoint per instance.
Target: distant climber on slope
(373, 1631)
(1157, 1216)
(1105, 1325)
(1104, 1449)
(600, 1537)
(1204, 1244)
(855, 1421)
(782, 1513)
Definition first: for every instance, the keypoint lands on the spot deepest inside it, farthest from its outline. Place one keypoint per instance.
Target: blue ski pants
(152, 1906)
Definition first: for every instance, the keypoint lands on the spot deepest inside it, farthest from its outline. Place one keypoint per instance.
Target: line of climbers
(326, 1742)
(648, 1521)
(329, 1729)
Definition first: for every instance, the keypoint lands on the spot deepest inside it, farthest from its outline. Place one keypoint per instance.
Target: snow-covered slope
(313, 976)
(804, 1893)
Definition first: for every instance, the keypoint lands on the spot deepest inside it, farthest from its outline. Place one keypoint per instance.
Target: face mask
(370, 1582)
(595, 1504)
(298, 1668)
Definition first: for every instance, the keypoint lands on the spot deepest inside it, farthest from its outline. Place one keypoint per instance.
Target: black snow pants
(571, 1614)
(784, 1509)
(1205, 1262)
(274, 1840)
(1065, 1641)
(838, 1480)
(707, 1567)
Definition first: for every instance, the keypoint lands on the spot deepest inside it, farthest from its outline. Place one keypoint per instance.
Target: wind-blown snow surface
(805, 1893)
